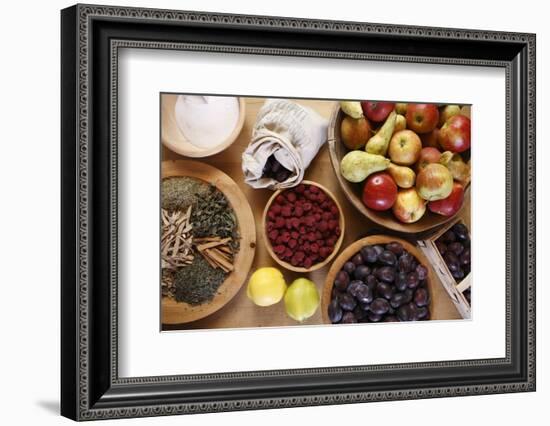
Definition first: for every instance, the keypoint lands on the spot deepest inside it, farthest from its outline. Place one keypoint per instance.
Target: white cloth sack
(292, 133)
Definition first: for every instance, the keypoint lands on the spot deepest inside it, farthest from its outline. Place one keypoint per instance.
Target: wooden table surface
(240, 311)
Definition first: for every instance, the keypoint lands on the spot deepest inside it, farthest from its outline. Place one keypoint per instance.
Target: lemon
(266, 286)
(301, 299)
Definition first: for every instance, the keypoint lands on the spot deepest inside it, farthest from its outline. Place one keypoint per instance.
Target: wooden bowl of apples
(413, 184)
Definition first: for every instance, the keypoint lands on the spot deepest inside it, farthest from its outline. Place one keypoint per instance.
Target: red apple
(454, 135)
(379, 192)
(451, 205)
(427, 156)
(377, 111)
(422, 118)
(434, 182)
(408, 206)
(404, 148)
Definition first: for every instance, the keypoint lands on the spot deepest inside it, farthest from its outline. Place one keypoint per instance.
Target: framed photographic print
(263, 212)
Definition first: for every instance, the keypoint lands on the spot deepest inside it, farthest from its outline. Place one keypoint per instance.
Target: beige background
(240, 311)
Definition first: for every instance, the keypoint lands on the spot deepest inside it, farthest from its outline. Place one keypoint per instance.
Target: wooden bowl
(354, 248)
(174, 139)
(316, 265)
(353, 191)
(173, 312)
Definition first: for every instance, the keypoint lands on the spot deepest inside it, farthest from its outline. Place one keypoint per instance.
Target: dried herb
(178, 193)
(167, 281)
(213, 216)
(197, 283)
(176, 244)
(199, 238)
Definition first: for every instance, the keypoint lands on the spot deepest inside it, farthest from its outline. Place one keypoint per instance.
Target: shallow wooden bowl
(353, 191)
(316, 265)
(354, 248)
(174, 140)
(173, 312)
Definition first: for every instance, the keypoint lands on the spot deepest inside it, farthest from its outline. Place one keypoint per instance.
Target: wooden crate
(455, 290)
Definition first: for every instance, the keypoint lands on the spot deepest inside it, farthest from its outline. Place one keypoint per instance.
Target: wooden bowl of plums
(378, 279)
(404, 166)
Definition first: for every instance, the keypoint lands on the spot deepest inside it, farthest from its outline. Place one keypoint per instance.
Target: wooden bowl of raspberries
(303, 227)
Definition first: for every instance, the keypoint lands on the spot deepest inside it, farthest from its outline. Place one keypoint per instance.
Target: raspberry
(307, 207)
(300, 255)
(287, 254)
(334, 210)
(279, 222)
(322, 226)
(279, 240)
(298, 211)
(327, 216)
(308, 262)
(332, 224)
(286, 236)
(280, 249)
(276, 208)
(317, 217)
(288, 224)
(280, 199)
(291, 196)
(325, 252)
(309, 221)
(294, 234)
(300, 188)
(286, 211)
(311, 237)
(292, 243)
(314, 248)
(295, 222)
(273, 235)
(321, 197)
(302, 230)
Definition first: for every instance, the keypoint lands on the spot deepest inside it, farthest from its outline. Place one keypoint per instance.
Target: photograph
(279, 212)
(264, 211)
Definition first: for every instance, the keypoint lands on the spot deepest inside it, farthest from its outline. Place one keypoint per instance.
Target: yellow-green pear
(378, 144)
(400, 123)
(401, 108)
(447, 112)
(356, 166)
(403, 176)
(456, 165)
(352, 108)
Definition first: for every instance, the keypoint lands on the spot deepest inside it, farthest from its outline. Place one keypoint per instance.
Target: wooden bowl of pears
(394, 171)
